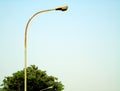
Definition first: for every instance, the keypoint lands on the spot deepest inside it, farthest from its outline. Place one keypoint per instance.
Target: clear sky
(80, 46)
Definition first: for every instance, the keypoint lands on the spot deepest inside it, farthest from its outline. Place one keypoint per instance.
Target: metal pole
(25, 46)
(62, 8)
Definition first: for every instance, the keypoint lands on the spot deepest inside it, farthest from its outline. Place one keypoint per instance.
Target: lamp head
(62, 8)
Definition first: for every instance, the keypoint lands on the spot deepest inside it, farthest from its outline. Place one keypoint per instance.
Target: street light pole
(62, 8)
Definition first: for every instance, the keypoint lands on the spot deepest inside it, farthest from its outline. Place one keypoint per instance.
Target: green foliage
(1, 89)
(36, 80)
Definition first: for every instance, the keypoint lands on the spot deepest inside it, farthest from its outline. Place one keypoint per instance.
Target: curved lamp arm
(62, 8)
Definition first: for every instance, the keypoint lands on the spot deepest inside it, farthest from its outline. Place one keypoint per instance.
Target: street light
(62, 8)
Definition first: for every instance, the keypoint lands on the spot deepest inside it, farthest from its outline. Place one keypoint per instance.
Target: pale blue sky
(80, 46)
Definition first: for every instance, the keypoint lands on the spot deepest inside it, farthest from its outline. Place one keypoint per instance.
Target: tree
(36, 81)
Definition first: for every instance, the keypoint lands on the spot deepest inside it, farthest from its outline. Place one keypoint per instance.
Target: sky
(80, 46)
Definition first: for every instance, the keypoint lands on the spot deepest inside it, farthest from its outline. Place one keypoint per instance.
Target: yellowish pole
(63, 8)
